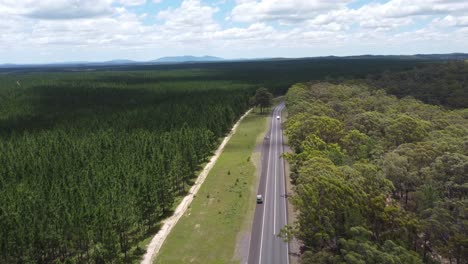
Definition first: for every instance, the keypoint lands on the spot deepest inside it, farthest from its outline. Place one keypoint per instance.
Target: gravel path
(169, 223)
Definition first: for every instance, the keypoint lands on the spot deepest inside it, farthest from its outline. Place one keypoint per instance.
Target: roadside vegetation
(208, 231)
(262, 99)
(377, 179)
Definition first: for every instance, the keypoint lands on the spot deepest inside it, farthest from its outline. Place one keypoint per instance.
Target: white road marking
(275, 178)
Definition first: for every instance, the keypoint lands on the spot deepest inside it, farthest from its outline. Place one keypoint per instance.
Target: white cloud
(56, 9)
(256, 31)
(290, 11)
(191, 17)
(451, 21)
(335, 15)
(132, 2)
(120, 29)
(306, 27)
(403, 8)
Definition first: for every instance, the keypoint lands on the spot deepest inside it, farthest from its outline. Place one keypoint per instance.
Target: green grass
(208, 230)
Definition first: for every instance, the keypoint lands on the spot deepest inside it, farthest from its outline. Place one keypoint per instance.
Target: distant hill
(119, 62)
(178, 59)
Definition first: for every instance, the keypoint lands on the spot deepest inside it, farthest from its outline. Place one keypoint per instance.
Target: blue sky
(40, 31)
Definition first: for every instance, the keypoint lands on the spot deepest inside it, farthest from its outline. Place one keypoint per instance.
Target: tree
(370, 123)
(406, 129)
(445, 230)
(313, 146)
(263, 98)
(302, 125)
(347, 162)
(356, 144)
(451, 169)
(360, 250)
(395, 168)
(327, 204)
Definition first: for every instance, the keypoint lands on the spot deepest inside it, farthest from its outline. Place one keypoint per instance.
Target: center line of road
(274, 174)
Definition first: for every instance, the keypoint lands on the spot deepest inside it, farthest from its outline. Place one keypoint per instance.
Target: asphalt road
(270, 216)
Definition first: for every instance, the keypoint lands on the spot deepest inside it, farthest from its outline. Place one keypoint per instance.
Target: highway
(271, 215)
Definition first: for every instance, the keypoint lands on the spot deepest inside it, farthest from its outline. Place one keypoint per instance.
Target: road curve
(270, 216)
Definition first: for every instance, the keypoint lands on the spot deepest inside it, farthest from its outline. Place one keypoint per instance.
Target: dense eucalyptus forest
(90, 163)
(435, 83)
(377, 179)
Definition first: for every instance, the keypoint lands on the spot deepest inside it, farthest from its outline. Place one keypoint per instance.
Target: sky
(44, 31)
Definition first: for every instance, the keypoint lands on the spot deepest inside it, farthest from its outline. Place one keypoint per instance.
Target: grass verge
(208, 230)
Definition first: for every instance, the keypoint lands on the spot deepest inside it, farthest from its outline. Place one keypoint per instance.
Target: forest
(91, 163)
(93, 159)
(276, 74)
(377, 179)
(434, 83)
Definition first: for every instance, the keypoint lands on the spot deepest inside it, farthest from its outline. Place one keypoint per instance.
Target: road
(270, 216)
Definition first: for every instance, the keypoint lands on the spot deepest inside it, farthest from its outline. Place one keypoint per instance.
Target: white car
(259, 198)
(278, 117)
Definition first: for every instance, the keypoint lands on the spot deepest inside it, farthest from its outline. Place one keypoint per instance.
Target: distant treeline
(437, 83)
(277, 75)
(89, 164)
(377, 179)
